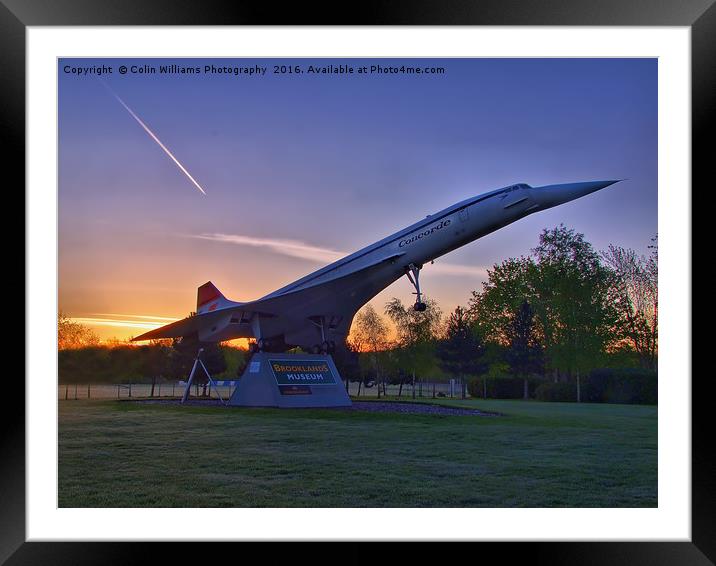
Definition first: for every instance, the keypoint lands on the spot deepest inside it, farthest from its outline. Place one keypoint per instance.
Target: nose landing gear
(413, 273)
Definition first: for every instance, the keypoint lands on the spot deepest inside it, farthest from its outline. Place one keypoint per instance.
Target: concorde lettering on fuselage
(425, 233)
(425, 241)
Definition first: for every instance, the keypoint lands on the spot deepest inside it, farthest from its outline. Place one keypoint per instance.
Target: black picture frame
(700, 15)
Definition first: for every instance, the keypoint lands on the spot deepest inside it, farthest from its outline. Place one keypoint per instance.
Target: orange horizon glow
(106, 329)
(119, 327)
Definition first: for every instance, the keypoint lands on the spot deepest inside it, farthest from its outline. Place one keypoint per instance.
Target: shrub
(474, 387)
(550, 391)
(625, 385)
(503, 387)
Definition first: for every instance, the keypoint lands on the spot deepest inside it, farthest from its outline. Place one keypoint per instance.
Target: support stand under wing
(197, 363)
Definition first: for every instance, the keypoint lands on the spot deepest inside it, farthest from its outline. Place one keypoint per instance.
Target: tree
(414, 326)
(182, 357)
(370, 331)
(72, 335)
(461, 352)
(572, 296)
(346, 359)
(524, 355)
(637, 286)
(417, 332)
(575, 302)
(371, 336)
(155, 361)
(508, 284)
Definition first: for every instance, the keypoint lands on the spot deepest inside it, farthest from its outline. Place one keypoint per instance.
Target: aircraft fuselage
(320, 306)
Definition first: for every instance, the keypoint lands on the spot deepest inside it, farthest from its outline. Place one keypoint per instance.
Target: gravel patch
(415, 408)
(362, 406)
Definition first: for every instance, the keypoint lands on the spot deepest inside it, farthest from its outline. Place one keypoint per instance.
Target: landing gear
(413, 273)
(259, 346)
(326, 347)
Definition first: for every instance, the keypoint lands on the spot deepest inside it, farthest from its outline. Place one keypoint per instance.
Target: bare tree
(371, 330)
(371, 335)
(72, 335)
(637, 282)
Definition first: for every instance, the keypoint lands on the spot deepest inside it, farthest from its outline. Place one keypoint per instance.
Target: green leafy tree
(575, 302)
(346, 358)
(508, 284)
(461, 351)
(524, 354)
(573, 297)
(155, 362)
(414, 326)
(417, 332)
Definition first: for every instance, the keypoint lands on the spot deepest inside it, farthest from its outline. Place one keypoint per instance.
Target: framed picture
(68, 71)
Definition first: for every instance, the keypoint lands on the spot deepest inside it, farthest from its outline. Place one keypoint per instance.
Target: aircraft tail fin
(209, 298)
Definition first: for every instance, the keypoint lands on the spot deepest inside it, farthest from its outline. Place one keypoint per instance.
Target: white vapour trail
(120, 322)
(459, 269)
(291, 248)
(302, 250)
(156, 139)
(147, 317)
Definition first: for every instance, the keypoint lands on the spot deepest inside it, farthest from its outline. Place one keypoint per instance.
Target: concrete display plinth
(290, 381)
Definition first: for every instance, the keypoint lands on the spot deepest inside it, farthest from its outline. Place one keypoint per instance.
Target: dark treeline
(162, 360)
(565, 323)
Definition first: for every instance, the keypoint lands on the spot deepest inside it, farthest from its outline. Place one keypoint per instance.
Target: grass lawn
(124, 454)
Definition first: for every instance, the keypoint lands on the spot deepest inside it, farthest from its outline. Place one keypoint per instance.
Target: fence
(423, 389)
(72, 392)
(136, 390)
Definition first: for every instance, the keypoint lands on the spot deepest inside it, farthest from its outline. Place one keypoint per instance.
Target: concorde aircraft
(316, 311)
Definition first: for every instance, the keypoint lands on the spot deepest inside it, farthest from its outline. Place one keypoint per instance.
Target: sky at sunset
(299, 170)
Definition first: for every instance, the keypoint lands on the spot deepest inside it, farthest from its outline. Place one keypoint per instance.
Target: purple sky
(331, 163)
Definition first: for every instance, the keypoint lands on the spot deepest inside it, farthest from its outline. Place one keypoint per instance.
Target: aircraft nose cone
(553, 195)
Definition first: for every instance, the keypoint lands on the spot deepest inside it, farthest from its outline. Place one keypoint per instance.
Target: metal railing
(74, 392)
(422, 390)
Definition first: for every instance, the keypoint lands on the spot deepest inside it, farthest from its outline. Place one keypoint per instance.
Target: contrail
(291, 248)
(303, 250)
(155, 138)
